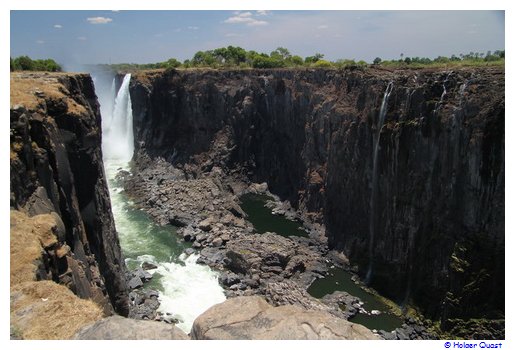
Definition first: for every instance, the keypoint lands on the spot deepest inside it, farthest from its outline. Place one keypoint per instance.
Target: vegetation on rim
(237, 57)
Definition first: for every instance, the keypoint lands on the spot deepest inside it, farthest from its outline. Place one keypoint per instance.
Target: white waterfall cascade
(186, 289)
(118, 136)
(380, 122)
(444, 93)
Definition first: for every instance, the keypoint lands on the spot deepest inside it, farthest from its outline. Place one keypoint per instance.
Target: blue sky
(77, 37)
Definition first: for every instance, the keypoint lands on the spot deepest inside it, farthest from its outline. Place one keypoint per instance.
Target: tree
(267, 62)
(280, 53)
(313, 59)
(236, 55)
(24, 63)
(48, 65)
(377, 60)
(204, 59)
(171, 63)
(296, 60)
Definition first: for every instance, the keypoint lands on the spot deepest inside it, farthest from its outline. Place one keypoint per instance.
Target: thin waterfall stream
(186, 288)
(373, 196)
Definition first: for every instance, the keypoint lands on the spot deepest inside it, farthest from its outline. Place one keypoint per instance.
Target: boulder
(148, 266)
(135, 282)
(217, 242)
(206, 224)
(228, 279)
(120, 328)
(251, 317)
(142, 274)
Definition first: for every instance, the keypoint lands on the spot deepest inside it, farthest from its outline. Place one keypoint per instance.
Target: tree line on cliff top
(237, 57)
(28, 64)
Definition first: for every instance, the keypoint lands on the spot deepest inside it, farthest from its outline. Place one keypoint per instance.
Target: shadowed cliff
(435, 236)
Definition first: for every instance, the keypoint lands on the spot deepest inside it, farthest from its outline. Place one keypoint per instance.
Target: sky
(81, 37)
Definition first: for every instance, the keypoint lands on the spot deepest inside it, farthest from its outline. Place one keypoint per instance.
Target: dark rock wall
(56, 166)
(438, 222)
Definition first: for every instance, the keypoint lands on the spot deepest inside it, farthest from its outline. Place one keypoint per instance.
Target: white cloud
(40, 42)
(323, 26)
(257, 23)
(262, 12)
(237, 19)
(233, 35)
(58, 26)
(245, 18)
(99, 20)
(82, 38)
(193, 27)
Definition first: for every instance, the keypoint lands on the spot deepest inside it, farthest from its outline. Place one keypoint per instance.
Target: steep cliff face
(56, 168)
(416, 200)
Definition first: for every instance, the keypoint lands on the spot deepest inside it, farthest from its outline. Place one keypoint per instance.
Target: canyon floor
(206, 207)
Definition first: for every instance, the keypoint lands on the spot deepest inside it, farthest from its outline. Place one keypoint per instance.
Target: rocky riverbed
(205, 206)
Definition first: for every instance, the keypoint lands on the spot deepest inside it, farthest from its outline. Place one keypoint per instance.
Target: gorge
(396, 175)
(438, 225)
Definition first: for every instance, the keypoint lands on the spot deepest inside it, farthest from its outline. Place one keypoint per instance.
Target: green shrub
(322, 64)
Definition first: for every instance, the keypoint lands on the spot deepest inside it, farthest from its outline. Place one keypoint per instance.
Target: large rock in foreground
(252, 317)
(120, 328)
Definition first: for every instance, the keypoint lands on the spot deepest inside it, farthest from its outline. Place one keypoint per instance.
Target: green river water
(337, 279)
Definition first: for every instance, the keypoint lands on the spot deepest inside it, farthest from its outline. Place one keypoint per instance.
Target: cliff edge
(56, 170)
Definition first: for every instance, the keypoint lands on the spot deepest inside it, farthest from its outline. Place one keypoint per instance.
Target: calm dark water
(337, 279)
(263, 219)
(340, 280)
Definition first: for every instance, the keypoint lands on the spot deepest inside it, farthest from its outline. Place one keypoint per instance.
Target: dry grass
(25, 248)
(41, 309)
(46, 310)
(25, 88)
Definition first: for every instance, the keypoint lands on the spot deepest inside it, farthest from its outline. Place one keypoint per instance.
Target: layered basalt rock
(56, 168)
(438, 219)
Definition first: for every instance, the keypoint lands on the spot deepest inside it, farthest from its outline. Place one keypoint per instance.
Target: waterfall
(186, 289)
(380, 122)
(118, 137)
(444, 92)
